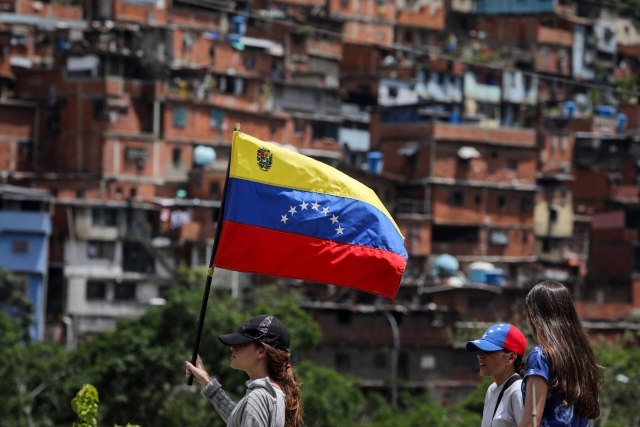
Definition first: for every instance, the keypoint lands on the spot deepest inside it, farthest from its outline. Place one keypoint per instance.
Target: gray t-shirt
(509, 411)
(263, 404)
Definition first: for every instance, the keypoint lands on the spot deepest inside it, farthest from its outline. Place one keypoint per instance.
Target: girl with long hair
(562, 367)
(261, 349)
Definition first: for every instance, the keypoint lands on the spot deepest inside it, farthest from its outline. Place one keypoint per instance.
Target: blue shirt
(556, 412)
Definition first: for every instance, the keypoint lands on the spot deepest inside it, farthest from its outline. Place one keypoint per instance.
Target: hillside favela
(500, 139)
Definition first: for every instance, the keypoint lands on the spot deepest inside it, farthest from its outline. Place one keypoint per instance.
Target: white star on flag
(325, 211)
(315, 206)
(339, 230)
(284, 218)
(303, 206)
(334, 219)
(292, 210)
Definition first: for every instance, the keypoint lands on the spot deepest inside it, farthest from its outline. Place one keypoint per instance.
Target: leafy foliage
(139, 372)
(85, 405)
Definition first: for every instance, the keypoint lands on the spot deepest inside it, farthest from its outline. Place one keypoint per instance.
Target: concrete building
(25, 228)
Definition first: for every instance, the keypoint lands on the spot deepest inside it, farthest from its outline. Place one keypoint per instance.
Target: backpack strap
(508, 384)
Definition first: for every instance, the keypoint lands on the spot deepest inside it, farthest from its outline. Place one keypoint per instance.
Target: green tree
(330, 399)
(620, 397)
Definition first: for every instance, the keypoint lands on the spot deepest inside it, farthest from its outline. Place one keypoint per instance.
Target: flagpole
(207, 286)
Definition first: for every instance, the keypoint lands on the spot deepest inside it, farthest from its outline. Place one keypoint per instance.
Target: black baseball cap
(265, 327)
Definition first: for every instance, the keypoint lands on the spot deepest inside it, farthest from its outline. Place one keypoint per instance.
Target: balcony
(554, 36)
(503, 136)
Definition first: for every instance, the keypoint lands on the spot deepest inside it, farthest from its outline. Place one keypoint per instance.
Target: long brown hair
(280, 370)
(557, 329)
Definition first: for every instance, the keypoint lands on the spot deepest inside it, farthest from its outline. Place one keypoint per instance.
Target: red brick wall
(423, 18)
(137, 13)
(359, 32)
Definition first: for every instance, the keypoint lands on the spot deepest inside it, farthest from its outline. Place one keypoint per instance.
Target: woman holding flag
(261, 349)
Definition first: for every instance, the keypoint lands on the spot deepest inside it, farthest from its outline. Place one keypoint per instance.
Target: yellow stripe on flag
(293, 170)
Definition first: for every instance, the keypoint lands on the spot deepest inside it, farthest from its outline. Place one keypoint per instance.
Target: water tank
(608, 111)
(239, 25)
(569, 109)
(495, 277)
(444, 265)
(478, 271)
(374, 161)
(621, 122)
(203, 155)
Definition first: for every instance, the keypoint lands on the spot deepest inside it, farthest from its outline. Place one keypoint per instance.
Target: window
(125, 291)
(99, 108)
(104, 217)
(525, 205)
(179, 116)
(299, 125)
(176, 157)
(20, 246)
(465, 164)
(216, 118)
(214, 189)
(96, 291)
(393, 92)
(249, 62)
(502, 204)
(343, 361)
(380, 360)
(100, 250)
(344, 317)
(456, 198)
(25, 151)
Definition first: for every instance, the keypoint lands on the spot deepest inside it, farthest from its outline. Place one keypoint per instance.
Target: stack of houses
(502, 136)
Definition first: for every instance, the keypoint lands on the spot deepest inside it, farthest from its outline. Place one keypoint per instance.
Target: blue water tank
(203, 155)
(374, 161)
(608, 111)
(477, 275)
(239, 25)
(569, 109)
(495, 277)
(621, 122)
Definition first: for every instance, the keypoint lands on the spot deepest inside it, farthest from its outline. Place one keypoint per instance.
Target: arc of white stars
(283, 218)
(339, 230)
(292, 210)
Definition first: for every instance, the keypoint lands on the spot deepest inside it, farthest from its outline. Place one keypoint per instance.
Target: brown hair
(280, 370)
(557, 329)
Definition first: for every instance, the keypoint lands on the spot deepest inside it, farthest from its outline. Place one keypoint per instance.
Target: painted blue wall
(514, 6)
(35, 229)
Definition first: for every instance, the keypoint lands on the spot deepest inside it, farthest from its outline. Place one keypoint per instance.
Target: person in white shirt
(499, 352)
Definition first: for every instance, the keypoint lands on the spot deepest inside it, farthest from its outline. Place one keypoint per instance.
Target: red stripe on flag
(276, 253)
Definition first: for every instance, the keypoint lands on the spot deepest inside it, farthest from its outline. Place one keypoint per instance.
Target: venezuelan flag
(285, 214)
